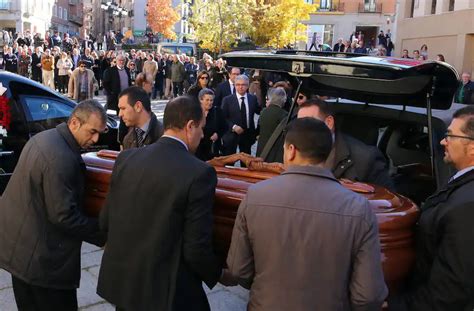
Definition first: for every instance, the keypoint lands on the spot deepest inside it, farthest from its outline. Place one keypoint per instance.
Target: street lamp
(113, 9)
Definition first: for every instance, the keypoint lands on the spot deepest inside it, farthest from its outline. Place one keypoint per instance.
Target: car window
(43, 113)
(42, 108)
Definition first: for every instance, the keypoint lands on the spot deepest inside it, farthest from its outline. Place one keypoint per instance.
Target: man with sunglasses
(42, 223)
(443, 278)
(82, 83)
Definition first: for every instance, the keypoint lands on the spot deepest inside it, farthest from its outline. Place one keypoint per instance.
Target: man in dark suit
(339, 46)
(135, 111)
(350, 158)
(116, 79)
(158, 216)
(36, 73)
(239, 111)
(227, 87)
(443, 278)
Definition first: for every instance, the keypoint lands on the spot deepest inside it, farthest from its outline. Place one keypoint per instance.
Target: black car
(402, 106)
(33, 108)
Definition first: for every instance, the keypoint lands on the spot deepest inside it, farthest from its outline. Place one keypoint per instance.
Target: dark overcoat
(111, 83)
(357, 161)
(158, 216)
(42, 224)
(443, 278)
(269, 119)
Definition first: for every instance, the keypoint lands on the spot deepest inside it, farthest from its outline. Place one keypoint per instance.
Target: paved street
(220, 298)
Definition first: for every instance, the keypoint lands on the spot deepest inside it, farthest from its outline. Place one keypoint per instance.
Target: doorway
(369, 35)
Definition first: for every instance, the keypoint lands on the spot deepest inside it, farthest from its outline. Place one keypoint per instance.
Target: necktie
(243, 113)
(140, 136)
(233, 88)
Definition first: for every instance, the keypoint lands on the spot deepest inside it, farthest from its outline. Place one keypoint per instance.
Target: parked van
(177, 48)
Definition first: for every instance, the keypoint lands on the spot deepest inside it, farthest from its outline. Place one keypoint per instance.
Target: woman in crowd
(201, 83)
(271, 116)
(424, 52)
(64, 71)
(96, 69)
(24, 62)
(150, 66)
(145, 81)
(219, 74)
(215, 127)
(440, 58)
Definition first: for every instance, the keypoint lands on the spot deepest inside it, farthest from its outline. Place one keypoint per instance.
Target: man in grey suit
(301, 241)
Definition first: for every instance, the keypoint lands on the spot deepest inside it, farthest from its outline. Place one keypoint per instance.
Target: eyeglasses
(301, 97)
(448, 136)
(132, 65)
(204, 78)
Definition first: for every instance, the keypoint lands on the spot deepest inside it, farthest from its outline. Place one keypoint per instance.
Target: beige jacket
(74, 87)
(301, 241)
(150, 67)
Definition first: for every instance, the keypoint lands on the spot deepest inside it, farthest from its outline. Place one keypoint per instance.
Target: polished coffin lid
(368, 79)
(396, 214)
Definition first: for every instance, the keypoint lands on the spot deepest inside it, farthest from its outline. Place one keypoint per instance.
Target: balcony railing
(370, 7)
(76, 19)
(73, 2)
(333, 7)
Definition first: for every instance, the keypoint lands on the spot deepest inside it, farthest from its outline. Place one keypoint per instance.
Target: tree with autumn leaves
(161, 17)
(269, 23)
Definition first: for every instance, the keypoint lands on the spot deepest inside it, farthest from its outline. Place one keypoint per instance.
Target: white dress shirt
(246, 100)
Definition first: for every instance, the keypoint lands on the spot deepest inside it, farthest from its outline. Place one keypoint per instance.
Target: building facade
(336, 19)
(23, 15)
(445, 26)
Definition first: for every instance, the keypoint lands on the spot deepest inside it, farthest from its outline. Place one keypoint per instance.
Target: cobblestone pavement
(220, 298)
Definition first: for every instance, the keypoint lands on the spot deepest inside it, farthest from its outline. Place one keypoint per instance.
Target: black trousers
(178, 88)
(34, 298)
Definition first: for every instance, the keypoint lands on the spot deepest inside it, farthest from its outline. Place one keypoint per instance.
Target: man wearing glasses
(443, 278)
(42, 224)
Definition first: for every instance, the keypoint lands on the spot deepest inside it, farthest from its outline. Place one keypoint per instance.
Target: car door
(31, 114)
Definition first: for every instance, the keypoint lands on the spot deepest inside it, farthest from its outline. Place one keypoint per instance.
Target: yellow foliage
(218, 24)
(162, 17)
(278, 22)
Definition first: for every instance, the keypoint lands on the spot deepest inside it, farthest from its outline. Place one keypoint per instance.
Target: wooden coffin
(396, 214)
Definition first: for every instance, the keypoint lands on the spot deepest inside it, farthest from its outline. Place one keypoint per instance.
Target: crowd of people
(157, 220)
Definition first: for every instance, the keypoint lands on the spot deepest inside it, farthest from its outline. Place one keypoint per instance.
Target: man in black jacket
(226, 88)
(158, 216)
(42, 224)
(135, 111)
(36, 73)
(116, 79)
(350, 158)
(443, 278)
